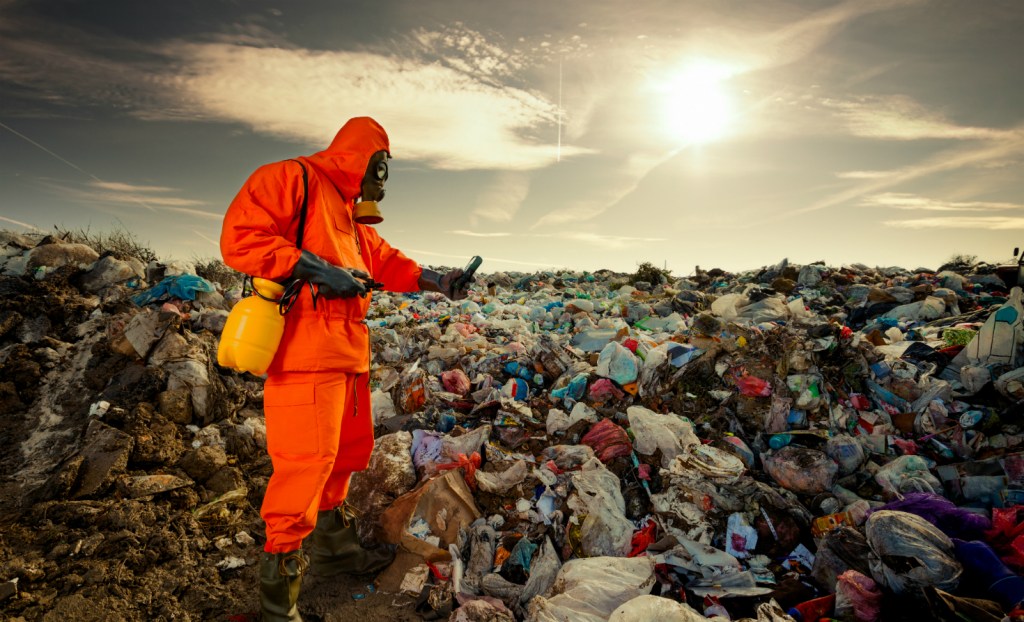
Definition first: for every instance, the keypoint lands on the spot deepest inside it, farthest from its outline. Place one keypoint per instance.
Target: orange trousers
(319, 431)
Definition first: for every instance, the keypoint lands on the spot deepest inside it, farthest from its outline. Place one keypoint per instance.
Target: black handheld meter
(467, 274)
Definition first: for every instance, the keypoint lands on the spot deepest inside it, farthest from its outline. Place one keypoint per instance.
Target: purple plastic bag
(943, 513)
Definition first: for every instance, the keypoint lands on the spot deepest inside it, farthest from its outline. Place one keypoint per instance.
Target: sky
(579, 134)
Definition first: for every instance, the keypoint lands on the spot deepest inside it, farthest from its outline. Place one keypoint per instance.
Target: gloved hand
(432, 281)
(331, 281)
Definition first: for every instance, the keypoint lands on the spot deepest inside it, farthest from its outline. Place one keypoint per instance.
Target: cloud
(19, 223)
(207, 239)
(904, 201)
(963, 156)
(899, 117)
(501, 200)
(150, 197)
(602, 240)
(863, 174)
(441, 114)
(479, 235)
(117, 186)
(803, 36)
(990, 223)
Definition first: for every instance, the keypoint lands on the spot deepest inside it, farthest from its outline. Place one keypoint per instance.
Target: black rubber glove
(443, 283)
(331, 281)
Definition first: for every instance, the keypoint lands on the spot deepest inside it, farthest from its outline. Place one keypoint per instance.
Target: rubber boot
(280, 578)
(335, 547)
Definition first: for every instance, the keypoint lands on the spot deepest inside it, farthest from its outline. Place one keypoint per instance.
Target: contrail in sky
(68, 162)
(558, 158)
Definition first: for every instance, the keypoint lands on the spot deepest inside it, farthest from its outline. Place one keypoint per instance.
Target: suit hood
(344, 161)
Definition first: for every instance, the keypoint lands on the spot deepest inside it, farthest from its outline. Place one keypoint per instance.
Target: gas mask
(366, 211)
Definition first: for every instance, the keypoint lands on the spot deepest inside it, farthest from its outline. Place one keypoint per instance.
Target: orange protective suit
(316, 396)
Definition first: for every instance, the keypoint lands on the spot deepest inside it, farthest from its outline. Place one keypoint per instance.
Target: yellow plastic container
(253, 331)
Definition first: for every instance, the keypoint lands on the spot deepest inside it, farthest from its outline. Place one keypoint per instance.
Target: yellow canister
(253, 330)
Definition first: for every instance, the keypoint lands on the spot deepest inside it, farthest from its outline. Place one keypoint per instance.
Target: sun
(698, 105)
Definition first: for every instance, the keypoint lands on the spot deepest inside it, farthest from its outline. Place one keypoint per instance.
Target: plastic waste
(568, 457)
(543, 569)
(737, 447)
(1000, 337)
(984, 567)
(645, 608)
(1007, 535)
(482, 542)
(752, 386)
(805, 390)
(605, 530)
(844, 548)
(651, 431)
(617, 363)
(896, 536)
(497, 483)
(778, 441)
(593, 340)
(975, 377)
(516, 389)
(824, 524)
(1011, 384)
(608, 440)
(710, 462)
(847, 452)
(572, 392)
(253, 330)
(591, 589)
(800, 470)
(953, 521)
(858, 598)
(741, 538)
(714, 608)
(907, 474)
(524, 372)
(182, 287)
(813, 610)
(456, 381)
(603, 390)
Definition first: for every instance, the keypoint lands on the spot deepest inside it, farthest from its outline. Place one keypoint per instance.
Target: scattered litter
(837, 442)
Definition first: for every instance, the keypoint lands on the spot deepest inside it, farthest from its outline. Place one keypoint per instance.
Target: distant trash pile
(790, 443)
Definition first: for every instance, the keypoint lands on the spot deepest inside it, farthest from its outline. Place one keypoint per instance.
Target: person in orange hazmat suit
(316, 394)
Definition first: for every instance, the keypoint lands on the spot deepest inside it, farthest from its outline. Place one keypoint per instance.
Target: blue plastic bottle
(778, 441)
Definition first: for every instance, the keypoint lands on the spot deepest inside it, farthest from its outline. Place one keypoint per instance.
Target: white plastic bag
(899, 535)
(652, 431)
(649, 607)
(605, 530)
(591, 589)
(997, 341)
(618, 363)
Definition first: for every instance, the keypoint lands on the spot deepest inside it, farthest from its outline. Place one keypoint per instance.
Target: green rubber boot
(280, 578)
(335, 547)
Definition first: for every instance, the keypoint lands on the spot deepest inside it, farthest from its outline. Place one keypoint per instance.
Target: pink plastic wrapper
(857, 597)
(859, 401)
(608, 440)
(455, 381)
(465, 329)
(604, 389)
(752, 386)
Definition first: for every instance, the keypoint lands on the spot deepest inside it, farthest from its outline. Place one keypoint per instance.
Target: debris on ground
(798, 442)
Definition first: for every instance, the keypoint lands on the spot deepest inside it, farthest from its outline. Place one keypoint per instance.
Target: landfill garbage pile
(790, 443)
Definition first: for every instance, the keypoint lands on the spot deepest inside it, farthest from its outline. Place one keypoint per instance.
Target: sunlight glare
(698, 106)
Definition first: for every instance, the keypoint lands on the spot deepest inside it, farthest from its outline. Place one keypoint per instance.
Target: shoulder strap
(305, 203)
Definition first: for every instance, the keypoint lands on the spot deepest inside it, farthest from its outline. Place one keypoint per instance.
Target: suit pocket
(291, 417)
